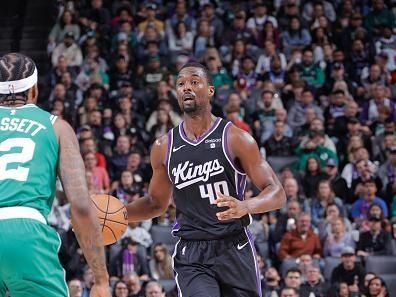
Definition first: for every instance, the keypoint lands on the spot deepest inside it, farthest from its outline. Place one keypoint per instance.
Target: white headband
(18, 86)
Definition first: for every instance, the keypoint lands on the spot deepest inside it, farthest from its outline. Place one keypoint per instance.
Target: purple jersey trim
(226, 150)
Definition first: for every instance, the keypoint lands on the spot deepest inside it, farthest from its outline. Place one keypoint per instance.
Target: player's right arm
(160, 189)
(86, 226)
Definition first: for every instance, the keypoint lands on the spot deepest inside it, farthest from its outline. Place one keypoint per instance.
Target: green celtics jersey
(28, 157)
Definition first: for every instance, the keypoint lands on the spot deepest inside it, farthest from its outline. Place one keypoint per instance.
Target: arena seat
(390, 280)
(163, 234)
(381, 264)
(167, 284)
(330, 264)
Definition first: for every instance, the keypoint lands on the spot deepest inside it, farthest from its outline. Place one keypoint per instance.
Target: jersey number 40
(210, 190)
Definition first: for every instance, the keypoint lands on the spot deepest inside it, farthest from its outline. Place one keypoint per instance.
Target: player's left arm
(245, 151)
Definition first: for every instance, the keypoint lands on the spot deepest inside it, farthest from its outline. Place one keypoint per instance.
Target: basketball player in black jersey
(203, 163)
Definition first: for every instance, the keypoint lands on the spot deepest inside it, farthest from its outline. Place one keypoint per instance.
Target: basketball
(112, 216)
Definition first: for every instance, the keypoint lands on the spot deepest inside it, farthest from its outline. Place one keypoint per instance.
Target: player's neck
(197, 125)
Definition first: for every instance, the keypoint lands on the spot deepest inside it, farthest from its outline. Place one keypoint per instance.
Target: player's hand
(236, 208)
(100, 290)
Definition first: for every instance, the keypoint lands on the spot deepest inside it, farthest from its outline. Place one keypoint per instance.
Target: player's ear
(211, 91)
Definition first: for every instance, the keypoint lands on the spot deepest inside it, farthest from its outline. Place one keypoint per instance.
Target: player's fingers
(223, 204)
(226, 215)
(222, 196)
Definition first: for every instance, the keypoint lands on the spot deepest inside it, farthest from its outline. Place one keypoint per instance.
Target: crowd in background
(313, 81)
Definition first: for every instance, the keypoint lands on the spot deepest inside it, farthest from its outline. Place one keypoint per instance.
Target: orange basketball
(113, 217)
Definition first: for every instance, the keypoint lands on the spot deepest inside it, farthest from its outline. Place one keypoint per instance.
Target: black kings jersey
(199, 170)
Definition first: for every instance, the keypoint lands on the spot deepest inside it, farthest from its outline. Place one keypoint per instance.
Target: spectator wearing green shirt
(309, 71)
(314, 148)
(221, 79)
(379, 16)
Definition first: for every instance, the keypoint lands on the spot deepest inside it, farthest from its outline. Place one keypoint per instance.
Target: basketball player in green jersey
(35, 147)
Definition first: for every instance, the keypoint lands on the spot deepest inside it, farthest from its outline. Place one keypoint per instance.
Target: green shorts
(29, 260)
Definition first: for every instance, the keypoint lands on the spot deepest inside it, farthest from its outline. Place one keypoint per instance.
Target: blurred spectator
(120, 74)
(118, 161)
(265, 115)
(295, 38)
(300, 241)
(313, 175)
(180, 15)
(370, 110)
(324, 196)
(236, 31)
(379, 15)
(338, 184)
(151, 20)
(181, 40)
(360, 207)
(286, 222)
(312, 10)
(386, 46)
(340, 125)
(314, 149)
(279, 145)
(138, 234)
(99, 176)
(314, 284)
(75, 288)
(257, 21)
(161, 263)
(88, 281)
(338, 239)
(383, 142)
(376, 241)
(294, 192)
(332, 213)
(163, 125)
(128, 260)
(303, 263)
(246, 78)
(377, 288)
(203, 39)
(126, 190)
(233, 115)
(120, 289)
(310, 72)
(387, 173)
(215, 23)
(132, 281)
(288, 292)
(65, 24)
(154, 289)
(271, 282)
(293, 279)
(374, 76)
(271, 59)
(349, 271)
(335, 110)
(69, 50)
(220, 78)
(123, 14)
(89, 145)
(99, 14)
(296, 115)
(358, 59)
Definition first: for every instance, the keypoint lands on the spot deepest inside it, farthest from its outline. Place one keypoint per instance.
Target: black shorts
(217, 268)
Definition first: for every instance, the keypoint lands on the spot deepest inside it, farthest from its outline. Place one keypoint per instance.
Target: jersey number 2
(19, 173)
(212, 189)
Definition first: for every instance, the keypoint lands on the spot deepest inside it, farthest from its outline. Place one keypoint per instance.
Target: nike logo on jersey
(239, 246)
(175, 149)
